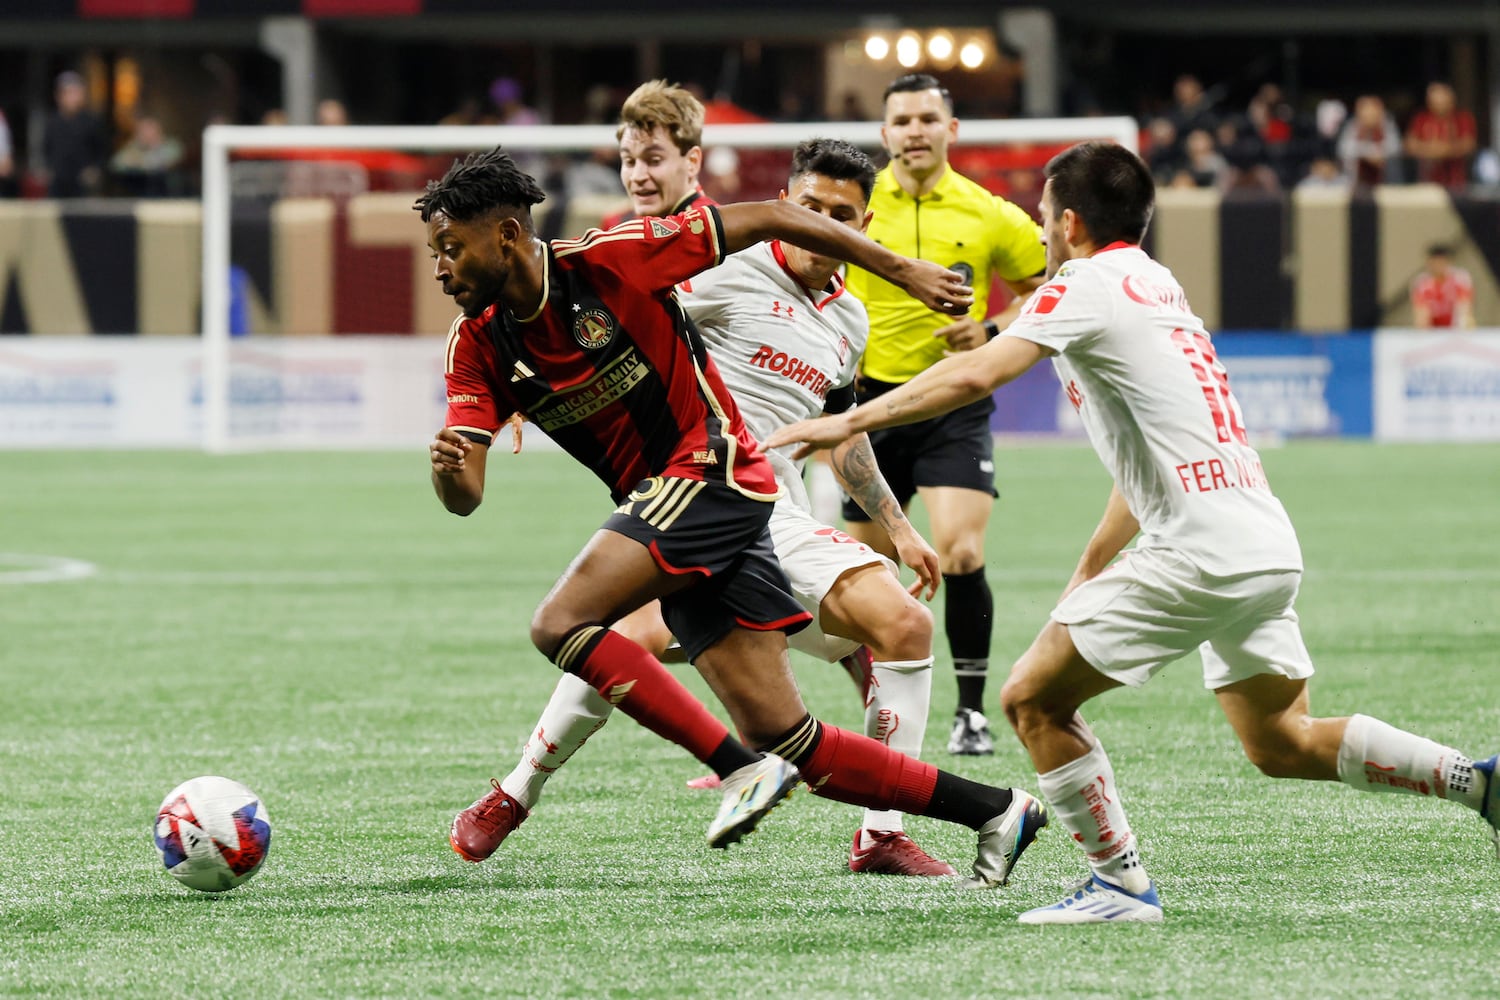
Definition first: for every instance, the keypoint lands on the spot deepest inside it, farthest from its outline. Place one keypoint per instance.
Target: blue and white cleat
(748, 795)
(1099, 902)
(1003, 839)
(1490, 810)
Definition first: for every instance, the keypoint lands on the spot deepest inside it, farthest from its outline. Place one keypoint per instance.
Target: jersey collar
(819, 297)
(886, 180)
(1116, 245)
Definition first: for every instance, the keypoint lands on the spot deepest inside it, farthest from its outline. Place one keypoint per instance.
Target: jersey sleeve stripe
(475, 434)
(454, 332)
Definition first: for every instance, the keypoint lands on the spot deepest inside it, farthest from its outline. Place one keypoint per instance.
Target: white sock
(574, 713)
(824, 493)
(1083, 797)
(1376, 757)
(896, 715)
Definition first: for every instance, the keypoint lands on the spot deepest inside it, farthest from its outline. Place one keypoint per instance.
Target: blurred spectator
(74, 143)
(1443, 294)
(274, 116)
(1192, 107)
(1441, 138)
(1370, 143)
(146, 166)
(7, 160)
(505, 93)
(852, 109)
(1164, 154)
(1204, 166)
(1244, 153)
(1324, 172)
(1330, 117)
(468, 112)
(331, 111)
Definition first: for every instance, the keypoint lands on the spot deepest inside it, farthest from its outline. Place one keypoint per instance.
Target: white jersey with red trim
(779, 347)
(1141, 370)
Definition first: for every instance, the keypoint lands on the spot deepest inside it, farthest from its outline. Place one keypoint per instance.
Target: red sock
(845, 766)
(635, 682)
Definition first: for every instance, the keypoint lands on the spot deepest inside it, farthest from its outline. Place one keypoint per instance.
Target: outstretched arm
(854, 464)
(749, 223)
(952, 382)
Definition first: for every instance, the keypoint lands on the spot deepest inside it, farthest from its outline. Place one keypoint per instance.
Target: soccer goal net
(321, 320)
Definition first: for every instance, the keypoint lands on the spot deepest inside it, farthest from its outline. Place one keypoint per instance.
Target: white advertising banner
(315, 392)
(1437, 386)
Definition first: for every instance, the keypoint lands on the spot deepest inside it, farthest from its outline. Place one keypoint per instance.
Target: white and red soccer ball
(212, 833)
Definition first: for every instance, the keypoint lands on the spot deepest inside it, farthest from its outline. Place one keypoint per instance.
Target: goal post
(230, 147)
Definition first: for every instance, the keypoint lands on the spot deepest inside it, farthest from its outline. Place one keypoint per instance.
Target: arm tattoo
(854, 463)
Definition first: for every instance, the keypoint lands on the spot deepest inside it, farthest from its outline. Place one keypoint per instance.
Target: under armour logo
(777, 307)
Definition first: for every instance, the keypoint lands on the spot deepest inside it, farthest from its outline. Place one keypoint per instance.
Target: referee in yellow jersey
(923, 208)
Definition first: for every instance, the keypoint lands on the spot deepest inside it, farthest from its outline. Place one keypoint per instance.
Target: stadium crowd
(1195, 137)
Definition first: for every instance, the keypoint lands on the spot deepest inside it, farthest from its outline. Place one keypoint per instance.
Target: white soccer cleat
(1096, 901)
(1004, 838)
(749, 794)
(1490, 810)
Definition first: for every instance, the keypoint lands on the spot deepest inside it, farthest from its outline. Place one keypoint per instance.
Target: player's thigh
(959, 517)
(612, 576)
(869, 605)
(873, 535)
(751, 675)
(1051, 679)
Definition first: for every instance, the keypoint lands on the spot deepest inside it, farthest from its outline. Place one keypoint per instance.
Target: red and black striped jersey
(610, 367)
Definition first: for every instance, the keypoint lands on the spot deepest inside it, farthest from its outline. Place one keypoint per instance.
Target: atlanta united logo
(594, 329)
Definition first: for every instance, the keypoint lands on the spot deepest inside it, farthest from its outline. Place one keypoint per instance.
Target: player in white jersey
(786, 339)
(1216, 563)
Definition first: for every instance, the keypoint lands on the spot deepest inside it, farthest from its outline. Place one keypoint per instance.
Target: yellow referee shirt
(958, 224)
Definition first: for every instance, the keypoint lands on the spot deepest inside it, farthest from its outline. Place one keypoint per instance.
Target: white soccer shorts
(1154, 606)
(814, 556)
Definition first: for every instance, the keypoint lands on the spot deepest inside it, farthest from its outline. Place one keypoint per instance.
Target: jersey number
(1214, 380)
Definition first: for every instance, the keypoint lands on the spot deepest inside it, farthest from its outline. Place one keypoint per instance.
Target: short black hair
(913, 83)
(478, 184)
(835, 158)
(1107, 186)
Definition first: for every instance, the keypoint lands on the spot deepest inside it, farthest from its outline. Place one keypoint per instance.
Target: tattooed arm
(853, 462)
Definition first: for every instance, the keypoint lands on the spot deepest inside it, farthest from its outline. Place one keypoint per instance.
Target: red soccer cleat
(892, 852)
(479, 830)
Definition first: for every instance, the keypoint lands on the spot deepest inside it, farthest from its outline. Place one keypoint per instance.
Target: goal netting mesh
(320, 314)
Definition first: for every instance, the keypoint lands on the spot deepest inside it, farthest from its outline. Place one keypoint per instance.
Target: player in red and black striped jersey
(586, 339)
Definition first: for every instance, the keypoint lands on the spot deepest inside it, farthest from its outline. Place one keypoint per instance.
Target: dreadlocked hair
(480, 183)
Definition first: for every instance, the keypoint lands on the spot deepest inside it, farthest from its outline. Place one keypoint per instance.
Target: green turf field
(316, 626)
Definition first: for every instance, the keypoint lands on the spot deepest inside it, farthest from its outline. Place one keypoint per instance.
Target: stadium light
(909, 50)
(971, 55)
(877, 48)
(940, 46)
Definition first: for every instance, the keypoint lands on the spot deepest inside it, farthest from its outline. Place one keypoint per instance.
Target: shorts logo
(594, 329)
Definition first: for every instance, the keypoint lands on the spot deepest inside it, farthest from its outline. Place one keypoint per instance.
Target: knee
(549, 626)
(903, 632)
(1028, 710)
(963, 555)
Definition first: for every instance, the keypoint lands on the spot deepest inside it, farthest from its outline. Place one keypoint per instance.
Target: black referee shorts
(955, 449)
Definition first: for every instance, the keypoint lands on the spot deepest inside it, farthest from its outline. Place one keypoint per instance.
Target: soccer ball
(212, 833)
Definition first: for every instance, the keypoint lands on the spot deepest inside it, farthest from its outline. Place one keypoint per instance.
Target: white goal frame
(221, 141)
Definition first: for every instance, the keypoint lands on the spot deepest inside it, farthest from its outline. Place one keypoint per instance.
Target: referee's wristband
(991, 329)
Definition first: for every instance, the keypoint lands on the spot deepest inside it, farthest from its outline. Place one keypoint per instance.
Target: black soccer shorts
(706, 528)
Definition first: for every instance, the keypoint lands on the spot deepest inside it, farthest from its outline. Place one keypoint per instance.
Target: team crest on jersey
(843, 351)
(694, 221)
(594, 329)
(1046, 299)
(662, 228)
